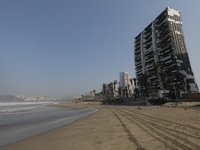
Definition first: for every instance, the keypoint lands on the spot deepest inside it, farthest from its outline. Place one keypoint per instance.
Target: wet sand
(121, 128)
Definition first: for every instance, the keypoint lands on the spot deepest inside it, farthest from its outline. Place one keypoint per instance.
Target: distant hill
(66, 98)
(10, 98)
(22, 98)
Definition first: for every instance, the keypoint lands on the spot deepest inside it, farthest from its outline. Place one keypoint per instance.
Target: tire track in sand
(164, 142)
(183, 126)
(131, 137)
(192, 133)
(157, 131)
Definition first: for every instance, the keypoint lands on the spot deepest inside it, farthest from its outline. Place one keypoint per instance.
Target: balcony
(158, 86)
(152, 77)
(163, 14)
(137, 43)
(165, 40)
(165, 58)
(137, 58)
(179, 61)
(167, 65)
(173, 71)
(154, 82)
(173, 65)
(148, 50)
(165, 69)
(147, 46)
(169, 61)
(149, 65)
(148, 39)
(165, 36)
(174, 83)
(150, 68)
(168, 51)
(150, 59)
(147, 35)
(137, 37)
(162, 27)
(139, 74)
(137, 49)
(137, 52)
(164, 33)
(137, 63)
(148, 28)
(139, 71)
(138, 68)
(162, 49)
(161, 22)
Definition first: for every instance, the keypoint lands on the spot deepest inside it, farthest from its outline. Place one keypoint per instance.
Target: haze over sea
(21, 120)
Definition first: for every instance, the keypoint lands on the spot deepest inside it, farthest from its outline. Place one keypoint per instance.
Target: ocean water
(21, 106)
(21, 120)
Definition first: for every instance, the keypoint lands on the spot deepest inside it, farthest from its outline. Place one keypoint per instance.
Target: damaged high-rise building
(161, 60)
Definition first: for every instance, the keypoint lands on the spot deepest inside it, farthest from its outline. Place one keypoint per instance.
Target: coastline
(26, 121)
(121, 127)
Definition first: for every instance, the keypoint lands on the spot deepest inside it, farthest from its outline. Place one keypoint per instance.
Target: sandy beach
(121, 128)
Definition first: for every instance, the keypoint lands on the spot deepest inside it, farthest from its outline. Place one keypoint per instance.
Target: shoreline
(121, 127)
(23, 123)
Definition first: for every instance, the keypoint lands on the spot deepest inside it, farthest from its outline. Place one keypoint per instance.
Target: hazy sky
(70, 47)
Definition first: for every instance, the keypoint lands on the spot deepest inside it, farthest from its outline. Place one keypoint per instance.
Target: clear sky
(70, 47)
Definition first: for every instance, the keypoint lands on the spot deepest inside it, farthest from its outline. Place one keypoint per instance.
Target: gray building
(161, 59)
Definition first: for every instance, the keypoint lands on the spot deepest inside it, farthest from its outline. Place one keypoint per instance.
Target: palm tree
(141, 85)
(104, 88)
(111, 88)
(126, 91)
(156, 66)
(167, 82)
(136, 92)
(119, 91)
(94, 95)
(188, 85)
(134, 79)
(131, 80)
(183, 84)
(144, 84)
(123, 92)
(114, 83)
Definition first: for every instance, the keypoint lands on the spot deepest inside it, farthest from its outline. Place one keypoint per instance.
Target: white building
(125, 83)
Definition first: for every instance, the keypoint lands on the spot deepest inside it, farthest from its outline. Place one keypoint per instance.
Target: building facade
(161, 59)
(126, 84)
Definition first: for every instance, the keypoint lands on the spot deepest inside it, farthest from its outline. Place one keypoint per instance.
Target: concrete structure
(125, 84)
(161, 60)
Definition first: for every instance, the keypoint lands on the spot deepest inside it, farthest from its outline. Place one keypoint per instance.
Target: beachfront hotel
(125, 83)
(162, 63)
